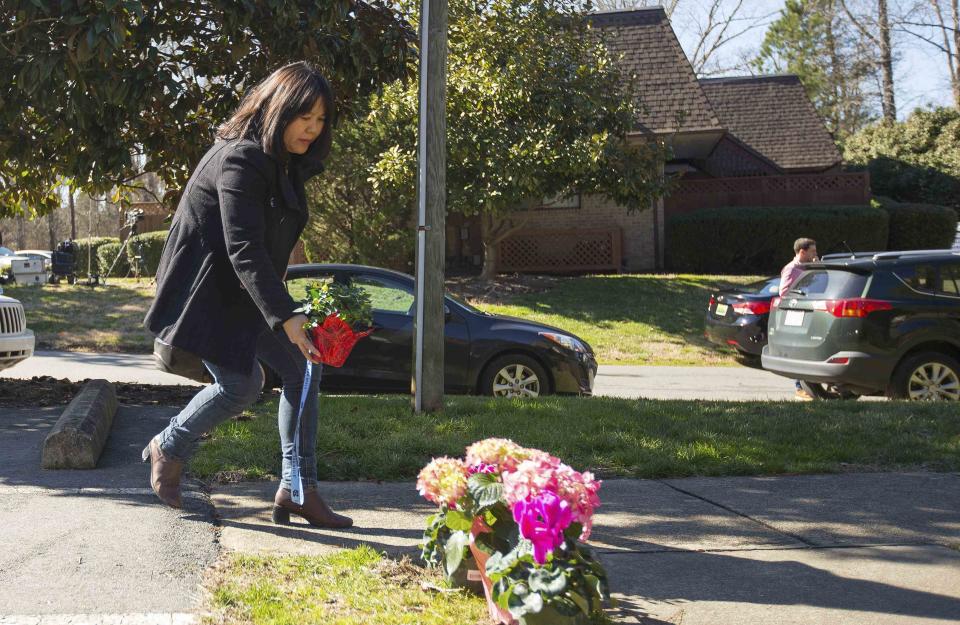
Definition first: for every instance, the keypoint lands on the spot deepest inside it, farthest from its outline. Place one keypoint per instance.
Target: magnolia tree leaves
(99, 92)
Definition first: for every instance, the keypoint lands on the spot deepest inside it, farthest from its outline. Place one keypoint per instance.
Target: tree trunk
(52, 229)
(886, 63)
(490, 249)
(73, 216)
(21, 230)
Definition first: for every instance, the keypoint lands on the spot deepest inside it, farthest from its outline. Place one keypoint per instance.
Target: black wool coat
(220, 278)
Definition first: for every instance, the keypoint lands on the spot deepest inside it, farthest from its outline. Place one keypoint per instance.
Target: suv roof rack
(890, 255)
(887, 255)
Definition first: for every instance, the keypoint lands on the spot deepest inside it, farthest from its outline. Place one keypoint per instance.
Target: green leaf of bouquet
(455, 550)
(594, 584)
(549, 581)
(459, 521)
(573, 531)
(485, 489)
(581, 601)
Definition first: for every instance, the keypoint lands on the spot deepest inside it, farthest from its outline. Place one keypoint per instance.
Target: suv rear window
(829, 284)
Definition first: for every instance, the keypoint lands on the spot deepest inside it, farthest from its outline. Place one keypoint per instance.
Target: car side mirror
(447, 313)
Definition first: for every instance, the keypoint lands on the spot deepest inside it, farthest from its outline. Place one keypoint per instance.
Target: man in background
(805, 251)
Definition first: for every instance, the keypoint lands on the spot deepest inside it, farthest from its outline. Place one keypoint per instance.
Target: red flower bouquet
(340, 315)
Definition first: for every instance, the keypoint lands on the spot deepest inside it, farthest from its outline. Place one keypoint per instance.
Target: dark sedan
(737, 317)
(485, 354)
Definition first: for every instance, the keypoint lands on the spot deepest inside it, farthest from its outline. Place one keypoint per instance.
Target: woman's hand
(298, 336)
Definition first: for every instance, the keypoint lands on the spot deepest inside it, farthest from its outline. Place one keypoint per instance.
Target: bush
(152, 248)
(916, 160)
(84, 247)
(919, 226)
(106, 254)
(760, 239)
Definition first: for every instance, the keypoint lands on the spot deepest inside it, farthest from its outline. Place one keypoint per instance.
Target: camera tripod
(135, 260)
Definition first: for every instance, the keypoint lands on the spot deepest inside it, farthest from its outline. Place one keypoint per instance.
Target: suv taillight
(752, 308)
(712, 301)
(775, 302)
(857, 307)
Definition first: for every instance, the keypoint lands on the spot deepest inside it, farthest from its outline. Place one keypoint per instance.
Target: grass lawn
(89, 319)
(379, 438)
(654, 319)
(352, 587)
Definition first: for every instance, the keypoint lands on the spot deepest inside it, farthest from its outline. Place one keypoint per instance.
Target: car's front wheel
(514, 375)
(927, 376)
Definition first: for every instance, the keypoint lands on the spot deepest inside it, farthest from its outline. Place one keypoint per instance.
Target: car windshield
(829, 283)
(6, 251)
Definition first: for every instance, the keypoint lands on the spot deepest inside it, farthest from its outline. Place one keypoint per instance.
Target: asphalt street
(708, 383)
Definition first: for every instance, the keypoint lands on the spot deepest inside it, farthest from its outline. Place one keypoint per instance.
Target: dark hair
(803, 244)
(267, 110)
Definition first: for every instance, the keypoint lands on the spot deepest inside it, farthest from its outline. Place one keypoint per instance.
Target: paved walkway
(726, 383)
(95, 546)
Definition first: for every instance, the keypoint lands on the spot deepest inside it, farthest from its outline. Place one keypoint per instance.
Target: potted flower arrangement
(523, 514)
(339, 316)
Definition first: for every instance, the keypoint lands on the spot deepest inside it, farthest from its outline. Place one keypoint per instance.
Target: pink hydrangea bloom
(533, 477)
(501, 452)
(542, 520)
(482, 468)
(443, 481)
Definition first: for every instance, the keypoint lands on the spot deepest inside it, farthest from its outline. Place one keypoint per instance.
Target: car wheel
(927, 376)
(514, 375)
(827, 391)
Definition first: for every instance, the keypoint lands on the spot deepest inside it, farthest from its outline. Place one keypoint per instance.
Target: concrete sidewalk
(710, 383)
(96, 547)
(868, 549)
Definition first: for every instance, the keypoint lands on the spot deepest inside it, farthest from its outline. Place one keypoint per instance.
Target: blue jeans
(233, 392)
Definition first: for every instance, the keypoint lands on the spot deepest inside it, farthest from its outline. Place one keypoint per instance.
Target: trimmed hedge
(919, 226)
(84, 247)
(153, 243)
(152, 248)
(105, 256)
(760, 239)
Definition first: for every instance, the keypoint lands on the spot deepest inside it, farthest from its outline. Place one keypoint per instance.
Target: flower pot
(467, 576)
(498, 614)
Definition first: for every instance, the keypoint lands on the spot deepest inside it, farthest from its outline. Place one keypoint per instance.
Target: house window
(558, 202)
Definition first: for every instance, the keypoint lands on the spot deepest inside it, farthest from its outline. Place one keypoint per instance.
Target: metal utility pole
(431, 209)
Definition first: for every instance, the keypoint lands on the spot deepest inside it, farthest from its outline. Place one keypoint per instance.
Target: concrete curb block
(81, 431)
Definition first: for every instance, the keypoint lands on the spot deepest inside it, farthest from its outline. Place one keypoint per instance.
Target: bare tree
(873, 24)
(937, 22)
(714, 25)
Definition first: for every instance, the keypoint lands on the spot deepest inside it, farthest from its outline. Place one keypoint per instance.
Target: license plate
(721, 310)
(793, 318)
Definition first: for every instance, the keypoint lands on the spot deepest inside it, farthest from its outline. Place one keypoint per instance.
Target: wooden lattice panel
(789, 190)
(561, 251)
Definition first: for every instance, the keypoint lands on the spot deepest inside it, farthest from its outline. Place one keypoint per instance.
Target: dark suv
(884, 323)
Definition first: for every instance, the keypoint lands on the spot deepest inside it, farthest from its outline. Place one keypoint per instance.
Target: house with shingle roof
(743, 141)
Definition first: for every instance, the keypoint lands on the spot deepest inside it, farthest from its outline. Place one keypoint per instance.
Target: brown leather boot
(314, 510)
(164, 474)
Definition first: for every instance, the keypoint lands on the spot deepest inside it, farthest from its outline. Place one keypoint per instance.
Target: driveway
(709, 383)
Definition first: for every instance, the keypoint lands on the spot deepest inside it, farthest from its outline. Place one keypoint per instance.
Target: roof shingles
(669, 94)
(774, 116)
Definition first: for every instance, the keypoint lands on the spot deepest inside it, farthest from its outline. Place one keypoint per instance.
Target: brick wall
(596, 212)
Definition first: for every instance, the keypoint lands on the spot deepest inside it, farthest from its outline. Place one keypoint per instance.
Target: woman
(220, 290)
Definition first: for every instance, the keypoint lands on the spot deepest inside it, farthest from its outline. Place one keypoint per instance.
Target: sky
(921, 77)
